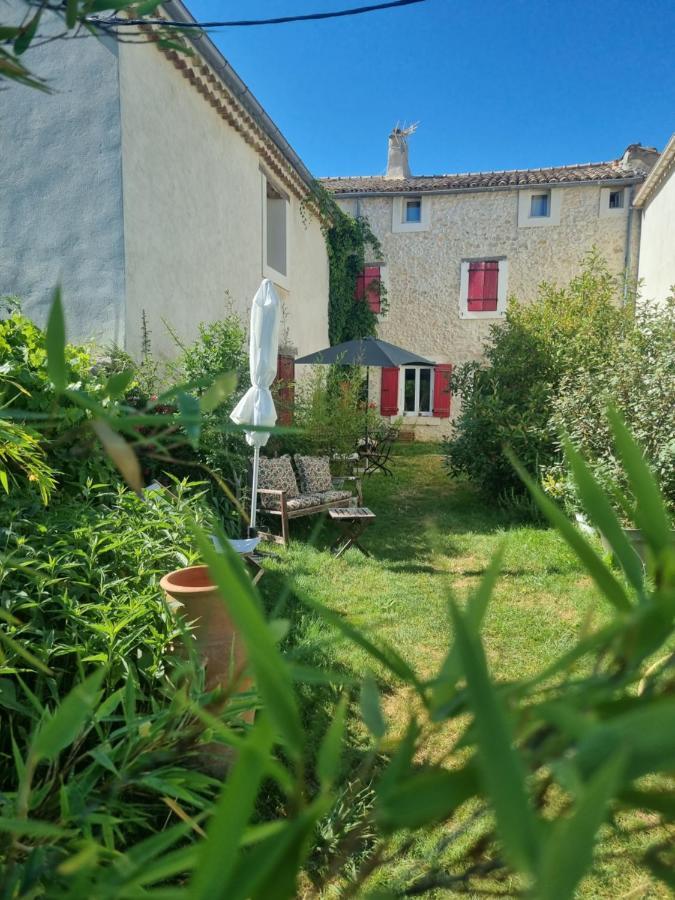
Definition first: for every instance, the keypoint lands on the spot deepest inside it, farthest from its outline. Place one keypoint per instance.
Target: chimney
(636, 156)
(397, 155)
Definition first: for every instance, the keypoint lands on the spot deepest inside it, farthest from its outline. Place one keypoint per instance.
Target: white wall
(193, 210)
(60, 186)
(657, 243)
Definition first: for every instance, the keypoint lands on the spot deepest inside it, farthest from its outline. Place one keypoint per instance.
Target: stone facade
(421, 267)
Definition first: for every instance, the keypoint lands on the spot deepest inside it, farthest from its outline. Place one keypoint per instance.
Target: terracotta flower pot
(191, 593)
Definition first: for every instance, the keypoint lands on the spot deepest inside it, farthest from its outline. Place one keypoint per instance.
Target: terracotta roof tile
(378, 184)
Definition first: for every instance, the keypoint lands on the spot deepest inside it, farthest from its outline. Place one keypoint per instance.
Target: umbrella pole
(254, 492)
(367, 401)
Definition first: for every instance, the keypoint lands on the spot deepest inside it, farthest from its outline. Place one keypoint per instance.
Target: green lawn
(433, 538)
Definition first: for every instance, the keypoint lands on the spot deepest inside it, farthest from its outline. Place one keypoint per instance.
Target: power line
(243, 23)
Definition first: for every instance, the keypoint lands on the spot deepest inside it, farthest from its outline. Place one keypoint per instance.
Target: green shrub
(508, 399)
(638, 377)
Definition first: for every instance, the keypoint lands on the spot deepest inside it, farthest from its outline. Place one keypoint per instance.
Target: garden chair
(375, 455)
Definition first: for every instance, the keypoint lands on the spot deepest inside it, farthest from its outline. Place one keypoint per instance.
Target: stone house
(655, 202)
(152, 182)
(454, 247)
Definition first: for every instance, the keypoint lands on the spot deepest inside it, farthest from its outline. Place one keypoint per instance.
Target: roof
(612, 171)
(233, 84)
(658, 175)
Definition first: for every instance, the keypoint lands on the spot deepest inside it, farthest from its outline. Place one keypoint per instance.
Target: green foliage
(101, 730)
(509, 399)
(22, 460)
(538, 765)
(637, 375)
(349, 241)
(28, 393)
(330, 414)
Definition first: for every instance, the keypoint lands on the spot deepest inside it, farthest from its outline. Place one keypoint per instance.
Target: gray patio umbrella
(365, 352)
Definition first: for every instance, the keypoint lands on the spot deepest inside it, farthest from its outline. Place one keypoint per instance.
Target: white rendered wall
(60, 187)
(657, 243)
(193, 211)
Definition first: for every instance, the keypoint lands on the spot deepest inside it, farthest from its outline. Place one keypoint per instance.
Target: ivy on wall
(350, 242)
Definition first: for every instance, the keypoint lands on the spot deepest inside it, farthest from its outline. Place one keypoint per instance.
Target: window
(540, 205)
(482, 288)
(275, 229)
(539, 208)
(483, 294)
(616, 199)
(417, 391)
(413, 210)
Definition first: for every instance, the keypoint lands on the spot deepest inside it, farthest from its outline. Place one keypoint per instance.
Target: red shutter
(491, 286)
(368, 287)
(442, 395)
(483, 290)
(389, 392)
(284, 389)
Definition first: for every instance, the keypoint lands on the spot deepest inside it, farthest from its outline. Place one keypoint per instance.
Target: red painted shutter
(368, 287)
(284, 389)
(442, 394)
(491, 286)
(476, 286)
(389, 392)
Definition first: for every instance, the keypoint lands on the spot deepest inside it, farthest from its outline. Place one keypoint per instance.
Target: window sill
(276, 277)
(482, 314)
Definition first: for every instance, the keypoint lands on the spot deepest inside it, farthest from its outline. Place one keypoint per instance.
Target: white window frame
(398, 221)
(526, 220)
(416, 413)
(608, 211)
(502, 284)
(268, 271)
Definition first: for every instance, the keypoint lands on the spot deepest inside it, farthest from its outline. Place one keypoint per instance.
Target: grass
(433, 538)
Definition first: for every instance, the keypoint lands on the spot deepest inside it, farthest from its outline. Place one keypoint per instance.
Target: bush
(508, 400)
(79, 594)
(637, 376)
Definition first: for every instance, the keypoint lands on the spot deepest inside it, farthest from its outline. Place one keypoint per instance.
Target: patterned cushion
(334, 496)
(314, 473)
(302, 501)
(278, 475)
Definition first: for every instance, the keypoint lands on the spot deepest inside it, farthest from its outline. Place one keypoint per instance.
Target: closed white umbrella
(256, 407)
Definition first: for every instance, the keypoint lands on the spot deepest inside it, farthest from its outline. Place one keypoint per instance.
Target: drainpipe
(627, 254)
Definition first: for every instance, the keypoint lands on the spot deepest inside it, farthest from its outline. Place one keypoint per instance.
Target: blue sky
(494, 85)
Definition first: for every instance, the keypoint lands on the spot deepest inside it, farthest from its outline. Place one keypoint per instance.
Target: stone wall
(422, 269)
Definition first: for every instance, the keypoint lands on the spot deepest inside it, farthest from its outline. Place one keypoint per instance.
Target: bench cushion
(313, 473)
(278, 475)
(334, 496)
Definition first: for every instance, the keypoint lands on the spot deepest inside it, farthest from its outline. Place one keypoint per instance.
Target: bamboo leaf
(501, 767)
(598, 571)
(272, 676)
(371, 708)
(118, 383)
(601, 514)
(65, 724)
(190, 416)
(23, 40)
(330, 751)
(425, 797)
(55, 341)
(650, 513)
(71, 13)
(218, 392)
(568, 853)
(219, 853)
(121, 454)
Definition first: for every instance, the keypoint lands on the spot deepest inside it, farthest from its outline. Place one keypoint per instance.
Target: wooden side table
(352, 521)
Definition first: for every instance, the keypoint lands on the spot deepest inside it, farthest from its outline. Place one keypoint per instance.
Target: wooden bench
(295, 507)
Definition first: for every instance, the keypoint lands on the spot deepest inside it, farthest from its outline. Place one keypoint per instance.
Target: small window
(417, 391)
(540, 206)
(616, 199)
(275, 248)
(483, 293)
(413, 211)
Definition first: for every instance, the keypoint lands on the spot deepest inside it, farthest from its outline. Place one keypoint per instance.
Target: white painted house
(656, 204)
(454, 247)
(152, 181)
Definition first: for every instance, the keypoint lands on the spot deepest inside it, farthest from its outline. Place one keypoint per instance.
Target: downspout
(627, 254)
